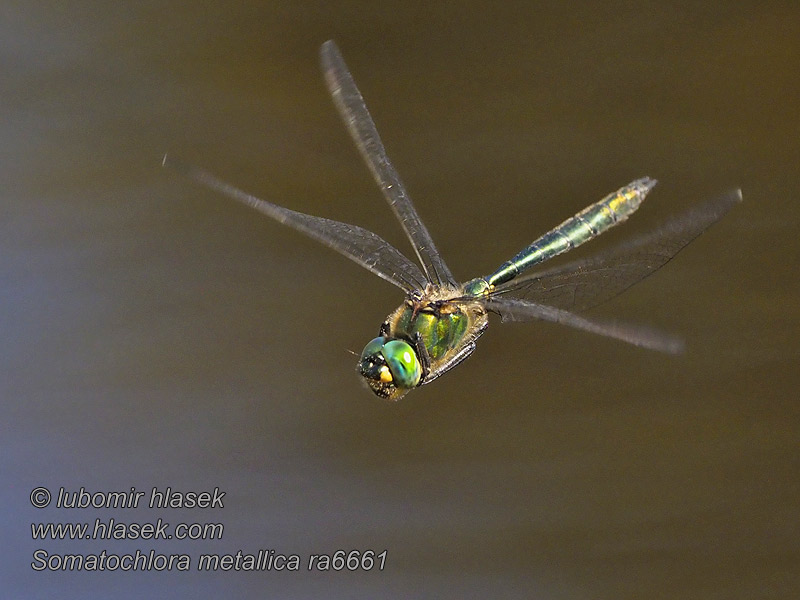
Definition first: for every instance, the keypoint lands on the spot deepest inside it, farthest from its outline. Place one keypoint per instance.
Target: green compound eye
(371, 349)
(402, 361)
(373, 368)
(389, 368)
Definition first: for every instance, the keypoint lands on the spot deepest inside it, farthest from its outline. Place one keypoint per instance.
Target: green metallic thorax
(444, 327)
(440, 333)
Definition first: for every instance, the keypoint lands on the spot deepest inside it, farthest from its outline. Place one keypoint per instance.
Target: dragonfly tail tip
(641, 186)
(648, 183)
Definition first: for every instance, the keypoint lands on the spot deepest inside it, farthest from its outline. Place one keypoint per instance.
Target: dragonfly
(440, 320)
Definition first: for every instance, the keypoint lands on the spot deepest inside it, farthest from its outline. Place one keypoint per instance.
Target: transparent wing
(358, 244)
(354, 112)
(583, 284)
(516, 309)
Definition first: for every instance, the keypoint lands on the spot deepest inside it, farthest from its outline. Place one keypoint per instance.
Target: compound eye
(389, 367)
(403, 363)
(372, 366)
(373, 348)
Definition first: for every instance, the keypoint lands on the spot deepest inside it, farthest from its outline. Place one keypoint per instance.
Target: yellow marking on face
(385, 374)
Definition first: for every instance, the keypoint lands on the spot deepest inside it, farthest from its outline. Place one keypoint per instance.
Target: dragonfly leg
(385, 329)
(422, 354)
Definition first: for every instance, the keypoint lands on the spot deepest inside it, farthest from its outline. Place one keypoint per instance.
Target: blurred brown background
(156, 334)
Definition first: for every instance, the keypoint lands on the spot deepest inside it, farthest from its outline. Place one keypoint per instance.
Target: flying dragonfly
(440, 320)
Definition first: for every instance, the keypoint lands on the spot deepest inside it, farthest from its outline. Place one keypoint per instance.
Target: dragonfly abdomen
(584, 226)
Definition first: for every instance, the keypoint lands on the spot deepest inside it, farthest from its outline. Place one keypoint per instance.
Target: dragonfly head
(390, 367)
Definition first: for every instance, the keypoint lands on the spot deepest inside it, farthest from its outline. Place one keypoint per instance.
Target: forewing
(359, 123)
(358, 244)
(583, 284)
(517, 309)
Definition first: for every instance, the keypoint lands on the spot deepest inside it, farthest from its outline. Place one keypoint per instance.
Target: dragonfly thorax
(427, 335)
